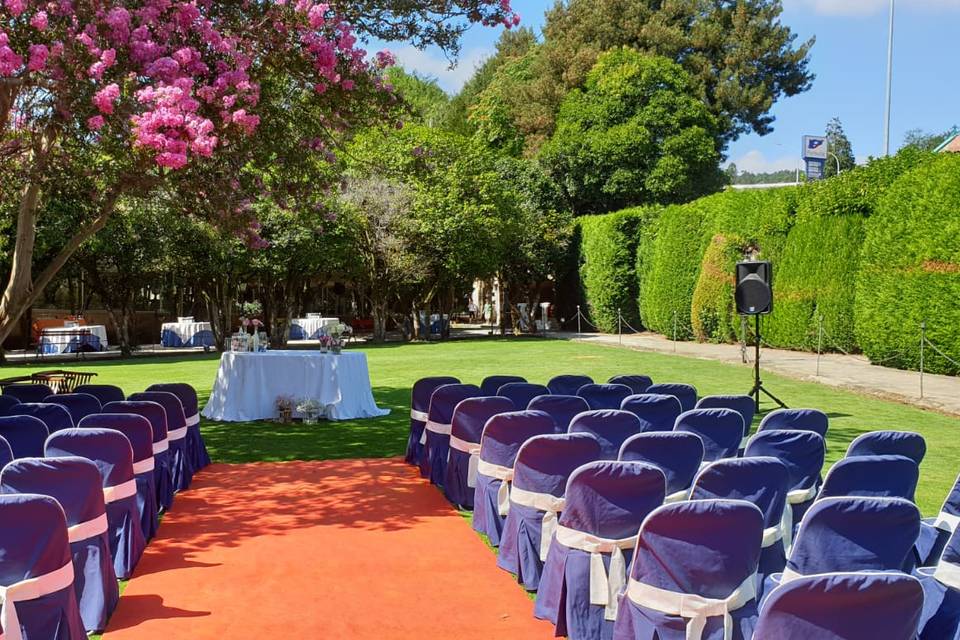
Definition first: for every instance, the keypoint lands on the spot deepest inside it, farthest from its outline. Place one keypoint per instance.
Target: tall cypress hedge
(608, 252)
(753, 222)
(910, 270)
(669, 262)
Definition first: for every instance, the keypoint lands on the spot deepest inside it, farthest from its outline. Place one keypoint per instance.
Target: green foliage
(635, 134)
(910, 270)
(608, 262)
(422, 95)
(493, 113)
(838, 144)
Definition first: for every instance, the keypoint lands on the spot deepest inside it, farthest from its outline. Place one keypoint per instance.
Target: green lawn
(394, 368)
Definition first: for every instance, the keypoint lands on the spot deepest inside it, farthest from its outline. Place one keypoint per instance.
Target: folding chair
(6, 453)
(540, 476)
(868, 476)
(466, 428)
(604, 396)
(163, 470)
(796, 420)
(28, 392)
(521, 393)
(25, 435)
(419, 405)
(196, 446)
(75, 483)
(492, 384)
(177, 432)
(103, 392)
(941, 587)
(686, 394)
(36, 575)
(436, 434)
(893, 443)
(54, 416)
(78, 405)
(677, 454)
(744, 405)
(503, 435)
(721, 431)
(586, 567)
(562, 409)
(610, 427)
(637, 383)
(568, 385)
(7, 404)
(657, 412)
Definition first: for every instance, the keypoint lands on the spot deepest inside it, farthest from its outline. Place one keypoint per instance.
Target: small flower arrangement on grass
(285, 406)
(309, 409)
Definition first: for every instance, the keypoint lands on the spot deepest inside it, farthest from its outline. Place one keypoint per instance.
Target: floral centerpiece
(325, 343)
(285, 406)
(257, 339)
(309, 409)
(337, 333)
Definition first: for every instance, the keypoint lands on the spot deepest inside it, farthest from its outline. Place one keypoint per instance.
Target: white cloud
(868, 7)
(755, 162)
(434, 65)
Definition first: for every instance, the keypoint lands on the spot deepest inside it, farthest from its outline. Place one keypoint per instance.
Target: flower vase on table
(325, 342)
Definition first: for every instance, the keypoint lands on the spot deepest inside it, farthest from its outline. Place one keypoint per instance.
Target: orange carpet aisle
(357, 549)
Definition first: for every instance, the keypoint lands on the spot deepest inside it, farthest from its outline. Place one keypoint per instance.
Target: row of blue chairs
(563, 510)
(85, 476)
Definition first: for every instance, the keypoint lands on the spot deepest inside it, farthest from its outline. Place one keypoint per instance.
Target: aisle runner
(338, 549)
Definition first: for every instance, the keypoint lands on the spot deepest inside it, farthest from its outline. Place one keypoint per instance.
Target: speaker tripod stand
(758, 387)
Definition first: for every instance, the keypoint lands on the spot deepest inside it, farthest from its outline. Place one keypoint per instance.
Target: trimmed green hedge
(910, 270)
(744, 222)
(607, 261)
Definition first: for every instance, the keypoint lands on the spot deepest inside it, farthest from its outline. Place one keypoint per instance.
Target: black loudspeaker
(754, 292)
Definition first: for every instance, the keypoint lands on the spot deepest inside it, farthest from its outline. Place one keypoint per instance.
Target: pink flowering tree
(188, 97)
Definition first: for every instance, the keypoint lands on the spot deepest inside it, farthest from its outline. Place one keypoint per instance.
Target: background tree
(633, 135)
(839, 145)
(925, 140)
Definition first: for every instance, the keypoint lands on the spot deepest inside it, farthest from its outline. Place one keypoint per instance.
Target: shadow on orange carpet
(337, 549)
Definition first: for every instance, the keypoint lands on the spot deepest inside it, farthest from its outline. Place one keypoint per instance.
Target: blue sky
(849, 60)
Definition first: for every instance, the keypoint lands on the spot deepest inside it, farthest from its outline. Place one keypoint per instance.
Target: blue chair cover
(744, 405)
(469, 418)
(103, 392)
(941, 586)
(761, 481)
(53, 415)
(25, 435)
(111, 452)
(503, 435)
(562, 409)
(540, 475)
(869, 476)
(163, 469)
(568, 385)
(706, 548)
(521, 393)
(720, 429)
(492, 384)
(889, 443)
(934, 532)
(140, 434)
(686, 394)
(6, 453)
(7, 403)
(38, 546)
(852, 534)
(75, 484)
(419, 405)
(657, 412)
(177, 433)
(803, 452)
(436, 446)
(609, 426)
(604, 396)
(78, 405)
(843, 606)
(677, 454)
(637, 383)
(796, 419)
(608, 500)
(196, 446)
(30, 392)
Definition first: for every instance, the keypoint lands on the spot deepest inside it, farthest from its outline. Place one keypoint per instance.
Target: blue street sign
(815, 168)
(814, 147)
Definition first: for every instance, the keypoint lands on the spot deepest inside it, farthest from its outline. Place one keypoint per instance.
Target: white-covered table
(72, 339)
(248, 385)
(311, 327)
(186, 334)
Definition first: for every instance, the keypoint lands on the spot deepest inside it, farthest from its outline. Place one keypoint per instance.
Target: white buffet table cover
(61, 338)
(184, 330)
(311, 325)
(248, 385)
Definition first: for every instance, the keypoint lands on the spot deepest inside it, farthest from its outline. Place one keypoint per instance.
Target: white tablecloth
(311, 326)
(248, 385)
(183, 330)
(62, 339)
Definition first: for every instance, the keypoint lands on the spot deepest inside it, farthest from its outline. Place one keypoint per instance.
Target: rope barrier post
(619, 327)
(674, 330)
(923, 339)
(578, 321)
(819, 341)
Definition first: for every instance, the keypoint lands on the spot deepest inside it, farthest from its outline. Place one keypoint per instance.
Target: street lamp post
(837, 159)
(886, 120)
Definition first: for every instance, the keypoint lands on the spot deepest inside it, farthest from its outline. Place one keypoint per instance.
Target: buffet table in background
(186, 334)
(311, 327)
(73, 339)
(248, 385)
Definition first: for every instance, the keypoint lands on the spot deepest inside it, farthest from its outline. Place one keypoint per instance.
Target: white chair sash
(418, 415)
(436, 427)
(88, 529)
(678, 496)
(948, 573)
(30, 589)
(177, 434)
(143, 466)
(473, 450)
(120, 491)
(771, 535)
(505, 475)
(694, 607)
(797, 496)
(605, 587)
(551, 506)
(193, 420)
(160, 447)
(946, 522)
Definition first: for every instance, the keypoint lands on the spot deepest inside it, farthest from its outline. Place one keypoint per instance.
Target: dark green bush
(608, 249)
(910, 270)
